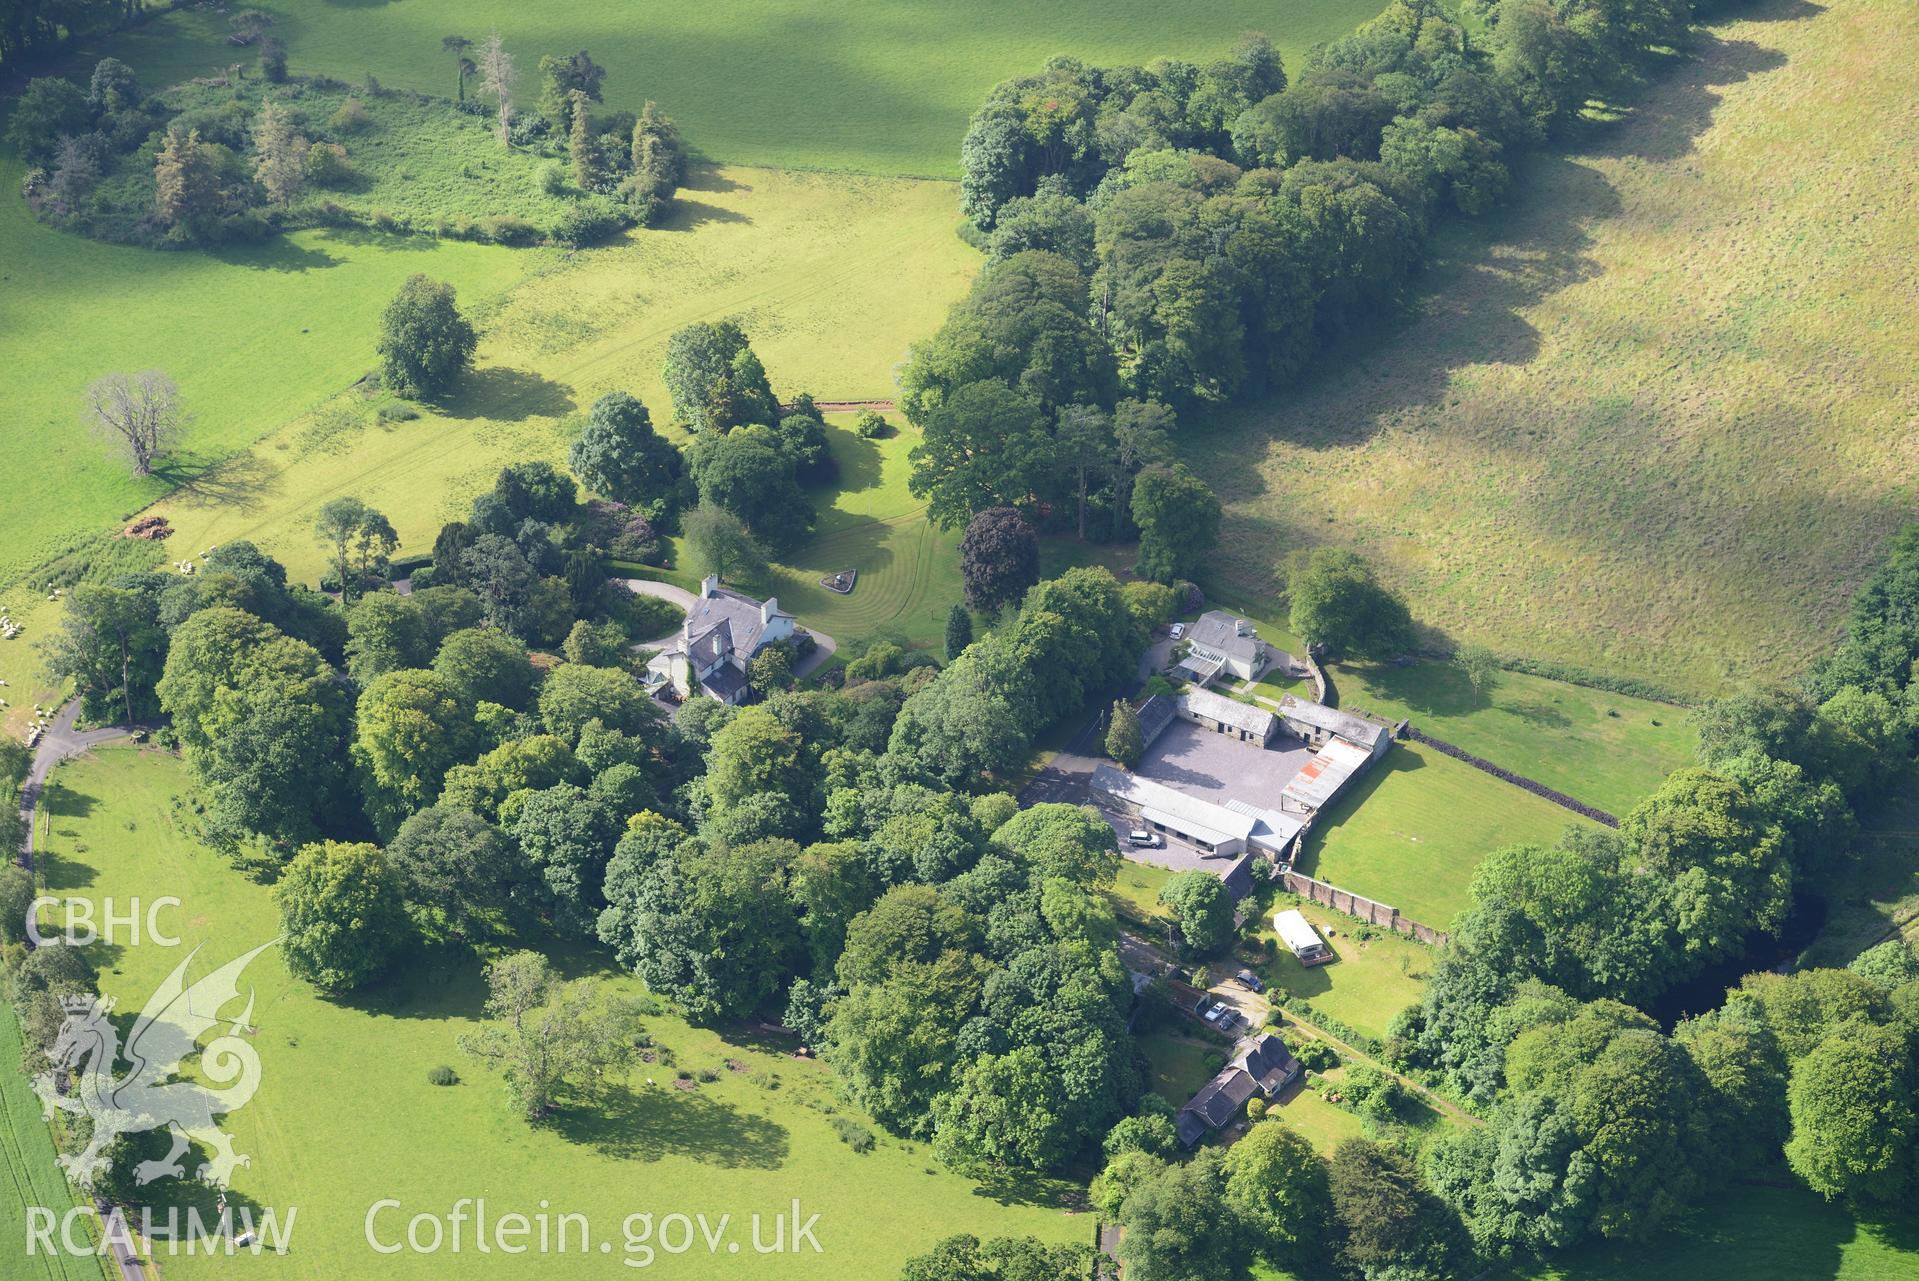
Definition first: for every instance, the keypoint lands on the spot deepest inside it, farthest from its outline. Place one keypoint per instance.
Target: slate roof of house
(715, 642)
(1217, 707)
(1354, 729)
(1268, 1062)
(1320, 779)
(1220, 1099)
(725, 621)
(1220, 632)
(724, 682)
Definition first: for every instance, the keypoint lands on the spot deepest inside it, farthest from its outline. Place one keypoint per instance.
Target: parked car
(1215, 1012)
(1140, 836)
(1250, 981)
(1178, 631)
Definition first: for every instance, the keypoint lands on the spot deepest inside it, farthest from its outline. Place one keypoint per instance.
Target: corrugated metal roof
(1320, 779)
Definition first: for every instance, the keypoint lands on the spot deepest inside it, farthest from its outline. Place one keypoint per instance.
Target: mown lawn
(1605, 749)
(1372, 980)
(29, 1176)
(1413, 828)
(345, 1114)
(879, 86)
(1323, 1123)
(908, 570)
(1653, 418)
(1178, 1060)
(1135, 891)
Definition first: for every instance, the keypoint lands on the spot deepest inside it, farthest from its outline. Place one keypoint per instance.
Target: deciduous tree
(551, 1038)
(279, 154)
(1178, 519)
(140, 414)
(1338, 605)
(1202, 907)
(341, 919)
(618, 454)
(425, 343)
(999, 558)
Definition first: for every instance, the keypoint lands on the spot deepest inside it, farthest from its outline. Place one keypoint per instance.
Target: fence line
(1517, 780)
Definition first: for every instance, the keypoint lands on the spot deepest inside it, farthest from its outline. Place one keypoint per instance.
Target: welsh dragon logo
(165, 1035)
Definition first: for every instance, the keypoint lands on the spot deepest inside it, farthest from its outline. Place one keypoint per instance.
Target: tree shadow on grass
(1542, 715)
(1438, 689)
(705, 177)
(507, 395)
(1482, 277)
(243, 481)
(423, 983)
(376, 238)
(858, 459)
(689, 215)
(1679, 104)
(277, 254)
(1009, 1188)
(652, 1122)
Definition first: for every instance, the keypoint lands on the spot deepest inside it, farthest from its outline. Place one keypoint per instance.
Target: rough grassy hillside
(876, 86)
(1657, 417)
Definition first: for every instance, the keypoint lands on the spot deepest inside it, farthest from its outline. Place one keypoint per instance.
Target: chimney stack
(710, 585)
(768, 608)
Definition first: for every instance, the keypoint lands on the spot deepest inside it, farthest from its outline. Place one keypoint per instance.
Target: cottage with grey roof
(1316, 723)
(1221, 642)
(1263, 1066)
(723, 633)
(1222, 715)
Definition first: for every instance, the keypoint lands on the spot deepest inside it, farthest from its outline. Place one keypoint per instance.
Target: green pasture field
(1653, 418)
(1372, 980)
(1605, 749)
(832, 276)
(1747, 1233)
(1413, 828)
(29, 1175)
(742, 1144)
(880, 86)
(254, 336)
(827, 273)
